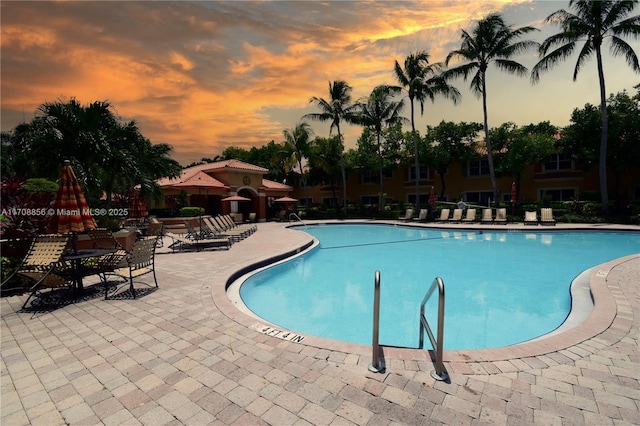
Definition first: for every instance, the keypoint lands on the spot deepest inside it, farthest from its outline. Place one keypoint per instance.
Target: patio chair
(408, 215)
(530, 218)
(139, 262)
(487, 216)
(103, 238)
(470, 217)
(501, 216)
(156, 229)
(422, 216)
(44, 265)
(546, 216)
(457, 216)
(444, 215)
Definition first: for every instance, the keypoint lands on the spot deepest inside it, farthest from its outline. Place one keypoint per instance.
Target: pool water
(502, 288)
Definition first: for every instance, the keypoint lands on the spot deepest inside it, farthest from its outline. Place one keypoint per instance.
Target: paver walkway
(184, 355)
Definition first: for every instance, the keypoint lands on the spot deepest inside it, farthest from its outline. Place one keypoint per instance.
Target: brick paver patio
(185, 355)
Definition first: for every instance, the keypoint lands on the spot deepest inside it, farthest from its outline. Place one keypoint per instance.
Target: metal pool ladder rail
(439, 373)
(296, 217)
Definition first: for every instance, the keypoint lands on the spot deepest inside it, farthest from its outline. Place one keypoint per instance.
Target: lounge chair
(408, 215)
(470, 216)
(457, 216)
(487, 216)
(182, 242)
(422, 217)
(546, 216)
(501, 216)
(444, 215)
(530, 218)
(234, 235)
(140, 261)
(44, 265)
(228, 223)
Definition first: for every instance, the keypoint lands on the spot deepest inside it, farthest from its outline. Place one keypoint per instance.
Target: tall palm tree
(592, 22)
(381, 110)
(296, 147)
(336, 109)
(490, 41)
(421, 81)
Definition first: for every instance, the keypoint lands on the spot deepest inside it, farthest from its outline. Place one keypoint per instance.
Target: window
(330, 202)
(480, 197)
(424, 199)
(305, 201)
(558, 194)
(370, 199)
(370, 177)
(374, 177)
(424, 172)
(556, 162)
(479, 167)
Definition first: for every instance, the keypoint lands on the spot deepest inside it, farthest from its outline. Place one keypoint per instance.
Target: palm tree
(381, 110)
(421, 81)
(490, 41)
(338, 108)
(296, 147)
(592, 23)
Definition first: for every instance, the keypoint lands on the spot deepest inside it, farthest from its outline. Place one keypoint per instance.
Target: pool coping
(606, 306)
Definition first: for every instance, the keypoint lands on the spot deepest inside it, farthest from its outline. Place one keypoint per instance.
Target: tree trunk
(343, 172)
(603, 138)
(492, 172)
(441, 173)
(416, 160)
(380, 173)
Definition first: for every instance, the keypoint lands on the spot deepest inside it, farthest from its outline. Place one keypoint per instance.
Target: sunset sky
(203, 76)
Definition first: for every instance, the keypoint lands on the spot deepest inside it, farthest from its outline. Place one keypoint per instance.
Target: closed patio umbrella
(432, 199)
(138, 207)
(71, 213)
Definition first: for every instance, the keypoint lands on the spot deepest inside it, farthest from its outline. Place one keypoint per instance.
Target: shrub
(591, 209)
(191, 211)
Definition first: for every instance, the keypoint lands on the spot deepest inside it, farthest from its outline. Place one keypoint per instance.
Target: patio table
(76, 259)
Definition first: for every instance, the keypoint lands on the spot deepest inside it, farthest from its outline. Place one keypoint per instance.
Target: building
(208, 185)
(558, 178)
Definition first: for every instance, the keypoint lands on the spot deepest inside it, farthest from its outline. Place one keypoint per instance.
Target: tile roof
(270, 184)
(188, 178)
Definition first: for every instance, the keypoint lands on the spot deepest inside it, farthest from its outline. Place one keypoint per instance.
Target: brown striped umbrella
(71, 212)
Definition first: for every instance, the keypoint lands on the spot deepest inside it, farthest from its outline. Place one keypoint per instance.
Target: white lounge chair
(487, 216)
(501, 216)
(530, 218)
(422, 217)
(408, 215)
(546, 216)
(444, 215)
(470, 216)
(457, 216)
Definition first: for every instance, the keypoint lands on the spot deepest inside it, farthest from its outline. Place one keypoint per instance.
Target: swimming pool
(502, 288)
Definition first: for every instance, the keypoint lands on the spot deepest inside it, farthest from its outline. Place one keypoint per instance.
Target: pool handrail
(295, 216)
(439, 373)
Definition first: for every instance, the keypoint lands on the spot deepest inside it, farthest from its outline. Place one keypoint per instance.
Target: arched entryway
(247, 207)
